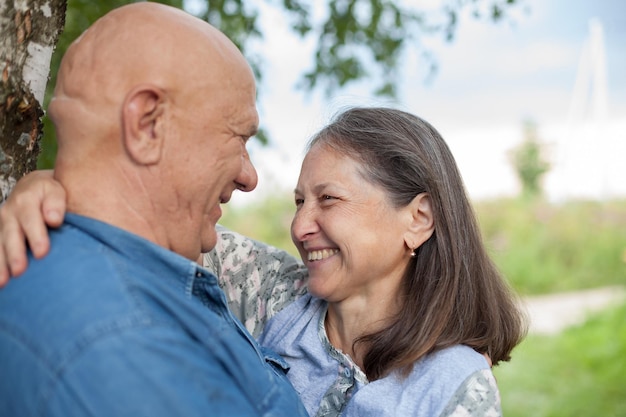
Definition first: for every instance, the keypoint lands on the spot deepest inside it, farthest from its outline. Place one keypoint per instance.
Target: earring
(413, 254)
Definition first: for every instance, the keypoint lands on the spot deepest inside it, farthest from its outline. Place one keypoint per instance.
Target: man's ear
(422, 223)
(143, 124)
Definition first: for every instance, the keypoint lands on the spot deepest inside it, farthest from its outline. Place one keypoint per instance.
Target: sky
(491, 79)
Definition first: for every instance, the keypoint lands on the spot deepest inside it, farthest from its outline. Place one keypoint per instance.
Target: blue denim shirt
(109, 324)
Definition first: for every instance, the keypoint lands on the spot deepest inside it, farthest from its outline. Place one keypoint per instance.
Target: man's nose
(248, 178)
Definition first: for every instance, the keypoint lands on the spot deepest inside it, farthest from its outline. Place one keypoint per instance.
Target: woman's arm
(259, 280)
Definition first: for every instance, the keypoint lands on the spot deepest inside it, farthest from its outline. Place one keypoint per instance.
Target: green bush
(544, 248)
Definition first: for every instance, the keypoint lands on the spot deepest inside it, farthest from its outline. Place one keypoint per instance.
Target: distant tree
(529, 162)
(355, 39)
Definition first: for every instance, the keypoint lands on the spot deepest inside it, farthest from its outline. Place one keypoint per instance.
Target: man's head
(153, 108)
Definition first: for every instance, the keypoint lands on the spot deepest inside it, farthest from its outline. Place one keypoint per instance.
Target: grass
(580, 372)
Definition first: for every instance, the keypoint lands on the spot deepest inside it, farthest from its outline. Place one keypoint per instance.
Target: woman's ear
(421, 223)
(143, 124)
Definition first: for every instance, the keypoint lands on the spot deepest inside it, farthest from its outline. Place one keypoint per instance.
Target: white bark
(37, 52)
(37, 69)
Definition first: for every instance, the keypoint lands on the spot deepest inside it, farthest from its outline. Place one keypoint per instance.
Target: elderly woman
(396, 303)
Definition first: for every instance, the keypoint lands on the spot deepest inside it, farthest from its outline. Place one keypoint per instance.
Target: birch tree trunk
(29, 31)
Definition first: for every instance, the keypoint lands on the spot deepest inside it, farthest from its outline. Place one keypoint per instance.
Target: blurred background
(557, 67)
(531, 97)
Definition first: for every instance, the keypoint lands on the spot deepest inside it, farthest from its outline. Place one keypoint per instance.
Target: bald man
(153, 109)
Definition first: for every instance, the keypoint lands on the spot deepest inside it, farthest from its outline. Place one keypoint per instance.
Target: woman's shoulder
(458, 379)
(446, 369)
(454, 357)
(440, 384)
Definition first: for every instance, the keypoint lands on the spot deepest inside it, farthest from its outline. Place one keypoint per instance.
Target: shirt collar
(163, 262)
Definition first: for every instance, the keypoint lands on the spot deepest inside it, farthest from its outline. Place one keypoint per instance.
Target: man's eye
(299, 201)
(327, 197)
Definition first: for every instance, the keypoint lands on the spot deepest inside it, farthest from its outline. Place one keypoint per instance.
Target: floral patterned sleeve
(259, 280)
(478, 396)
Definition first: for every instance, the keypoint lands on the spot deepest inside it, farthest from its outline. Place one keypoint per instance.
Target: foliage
(352, 35)
(529, 162)
(540, 247)
(577, 373)
(543, 247)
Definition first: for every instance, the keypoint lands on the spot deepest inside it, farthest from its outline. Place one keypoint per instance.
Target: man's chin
(209, 239)
(216, 213)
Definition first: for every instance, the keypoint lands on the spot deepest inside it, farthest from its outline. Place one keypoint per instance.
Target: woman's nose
(304, 223)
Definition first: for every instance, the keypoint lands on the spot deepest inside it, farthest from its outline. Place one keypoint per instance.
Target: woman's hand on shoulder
(37, 201)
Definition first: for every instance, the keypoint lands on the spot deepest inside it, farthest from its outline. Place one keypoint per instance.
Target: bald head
(141, 43)
(153, 108)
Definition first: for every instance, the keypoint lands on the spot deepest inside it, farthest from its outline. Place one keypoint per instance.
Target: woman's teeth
(318, 255)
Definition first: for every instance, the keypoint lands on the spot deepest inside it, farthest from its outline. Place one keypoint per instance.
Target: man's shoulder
(74, 256)
(63, 294)
(62, 305)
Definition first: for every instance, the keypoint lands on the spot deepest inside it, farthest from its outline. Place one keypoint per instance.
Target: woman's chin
(318, 290)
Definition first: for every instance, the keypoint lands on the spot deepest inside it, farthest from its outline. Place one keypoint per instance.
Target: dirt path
(549, 314)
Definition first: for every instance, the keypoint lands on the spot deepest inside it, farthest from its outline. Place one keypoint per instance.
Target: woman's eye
(299, 201)
(327, 197)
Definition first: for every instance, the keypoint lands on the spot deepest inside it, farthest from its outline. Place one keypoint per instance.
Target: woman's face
(348, 235)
